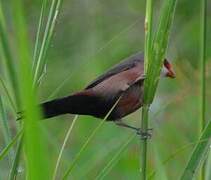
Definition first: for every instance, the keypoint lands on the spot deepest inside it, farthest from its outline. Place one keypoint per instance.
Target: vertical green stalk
(154, 55)
(145, 109)
(34, 142)
(203, 73)
(148, 34)
(144, 126)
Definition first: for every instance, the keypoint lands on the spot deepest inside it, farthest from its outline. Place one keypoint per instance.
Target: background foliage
(91, 36)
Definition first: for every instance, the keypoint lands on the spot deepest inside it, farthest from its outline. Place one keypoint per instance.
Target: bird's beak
(171, 73)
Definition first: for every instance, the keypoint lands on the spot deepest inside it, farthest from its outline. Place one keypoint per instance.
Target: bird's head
(167, 70)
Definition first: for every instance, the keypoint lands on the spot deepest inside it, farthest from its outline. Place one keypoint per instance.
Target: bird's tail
(83, 103)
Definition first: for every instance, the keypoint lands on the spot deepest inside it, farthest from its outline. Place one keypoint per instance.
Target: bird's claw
(145, 134)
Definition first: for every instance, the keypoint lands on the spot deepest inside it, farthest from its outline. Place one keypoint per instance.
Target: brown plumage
(125, 80)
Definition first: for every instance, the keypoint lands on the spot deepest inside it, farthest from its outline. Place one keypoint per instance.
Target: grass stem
(63, 146)
(14, 169)
(40, 62)
(114, 159)
(5, 129)
(38, 34)
(144, 126)
(154, 55)
(10, 145)
(145, 108)
(203, 74)
(10, 99)
(84, 146)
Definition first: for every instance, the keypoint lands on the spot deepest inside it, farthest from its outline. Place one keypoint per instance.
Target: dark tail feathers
(83, 103)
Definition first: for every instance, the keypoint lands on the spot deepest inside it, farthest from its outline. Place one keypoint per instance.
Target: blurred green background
(91, 36)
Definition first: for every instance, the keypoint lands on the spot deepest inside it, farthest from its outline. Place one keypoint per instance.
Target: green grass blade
(203, 74)
(6, 90)
(172, 156)
(84, 146)
(5, 151)
(102, 174)
(198, 155)
(4, 41)
(14, 169)
(208, 172)
(5, 129)
(38, 34)
(148, 33)
(147, 51)
(63, 146)
(34, 143)
(203, 63)
(41, 61)
(161, 172)
(154, 54)
(158, 50)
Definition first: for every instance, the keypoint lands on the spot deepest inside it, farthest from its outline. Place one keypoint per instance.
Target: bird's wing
(128, 63)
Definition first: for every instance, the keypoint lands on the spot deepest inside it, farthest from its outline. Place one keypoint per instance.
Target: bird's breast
(130, 101)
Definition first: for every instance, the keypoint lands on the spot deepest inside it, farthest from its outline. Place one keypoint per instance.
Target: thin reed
(155, 50)
(203, 38)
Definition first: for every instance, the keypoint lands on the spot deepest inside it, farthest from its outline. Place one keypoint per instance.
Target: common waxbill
(124, 79)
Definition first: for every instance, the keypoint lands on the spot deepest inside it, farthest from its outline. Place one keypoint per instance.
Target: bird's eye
(167, 64)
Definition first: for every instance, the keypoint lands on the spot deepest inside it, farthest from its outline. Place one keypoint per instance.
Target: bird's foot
(145, 134)
(142, 133)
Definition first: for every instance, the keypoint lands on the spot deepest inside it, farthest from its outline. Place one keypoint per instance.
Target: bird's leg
(144, 134)
(122, 124)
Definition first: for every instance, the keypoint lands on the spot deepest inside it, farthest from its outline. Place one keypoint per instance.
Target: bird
(122, 84)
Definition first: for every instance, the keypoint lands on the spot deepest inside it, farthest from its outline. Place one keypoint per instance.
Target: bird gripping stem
(144, 127)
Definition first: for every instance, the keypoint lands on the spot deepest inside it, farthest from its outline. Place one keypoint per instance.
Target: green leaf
(110, 164)
(198, 155)
(161, 172)
(5, 128)
(38, 34)
(40, 61)
(154, 56)
(158, 50)
(10, 145)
